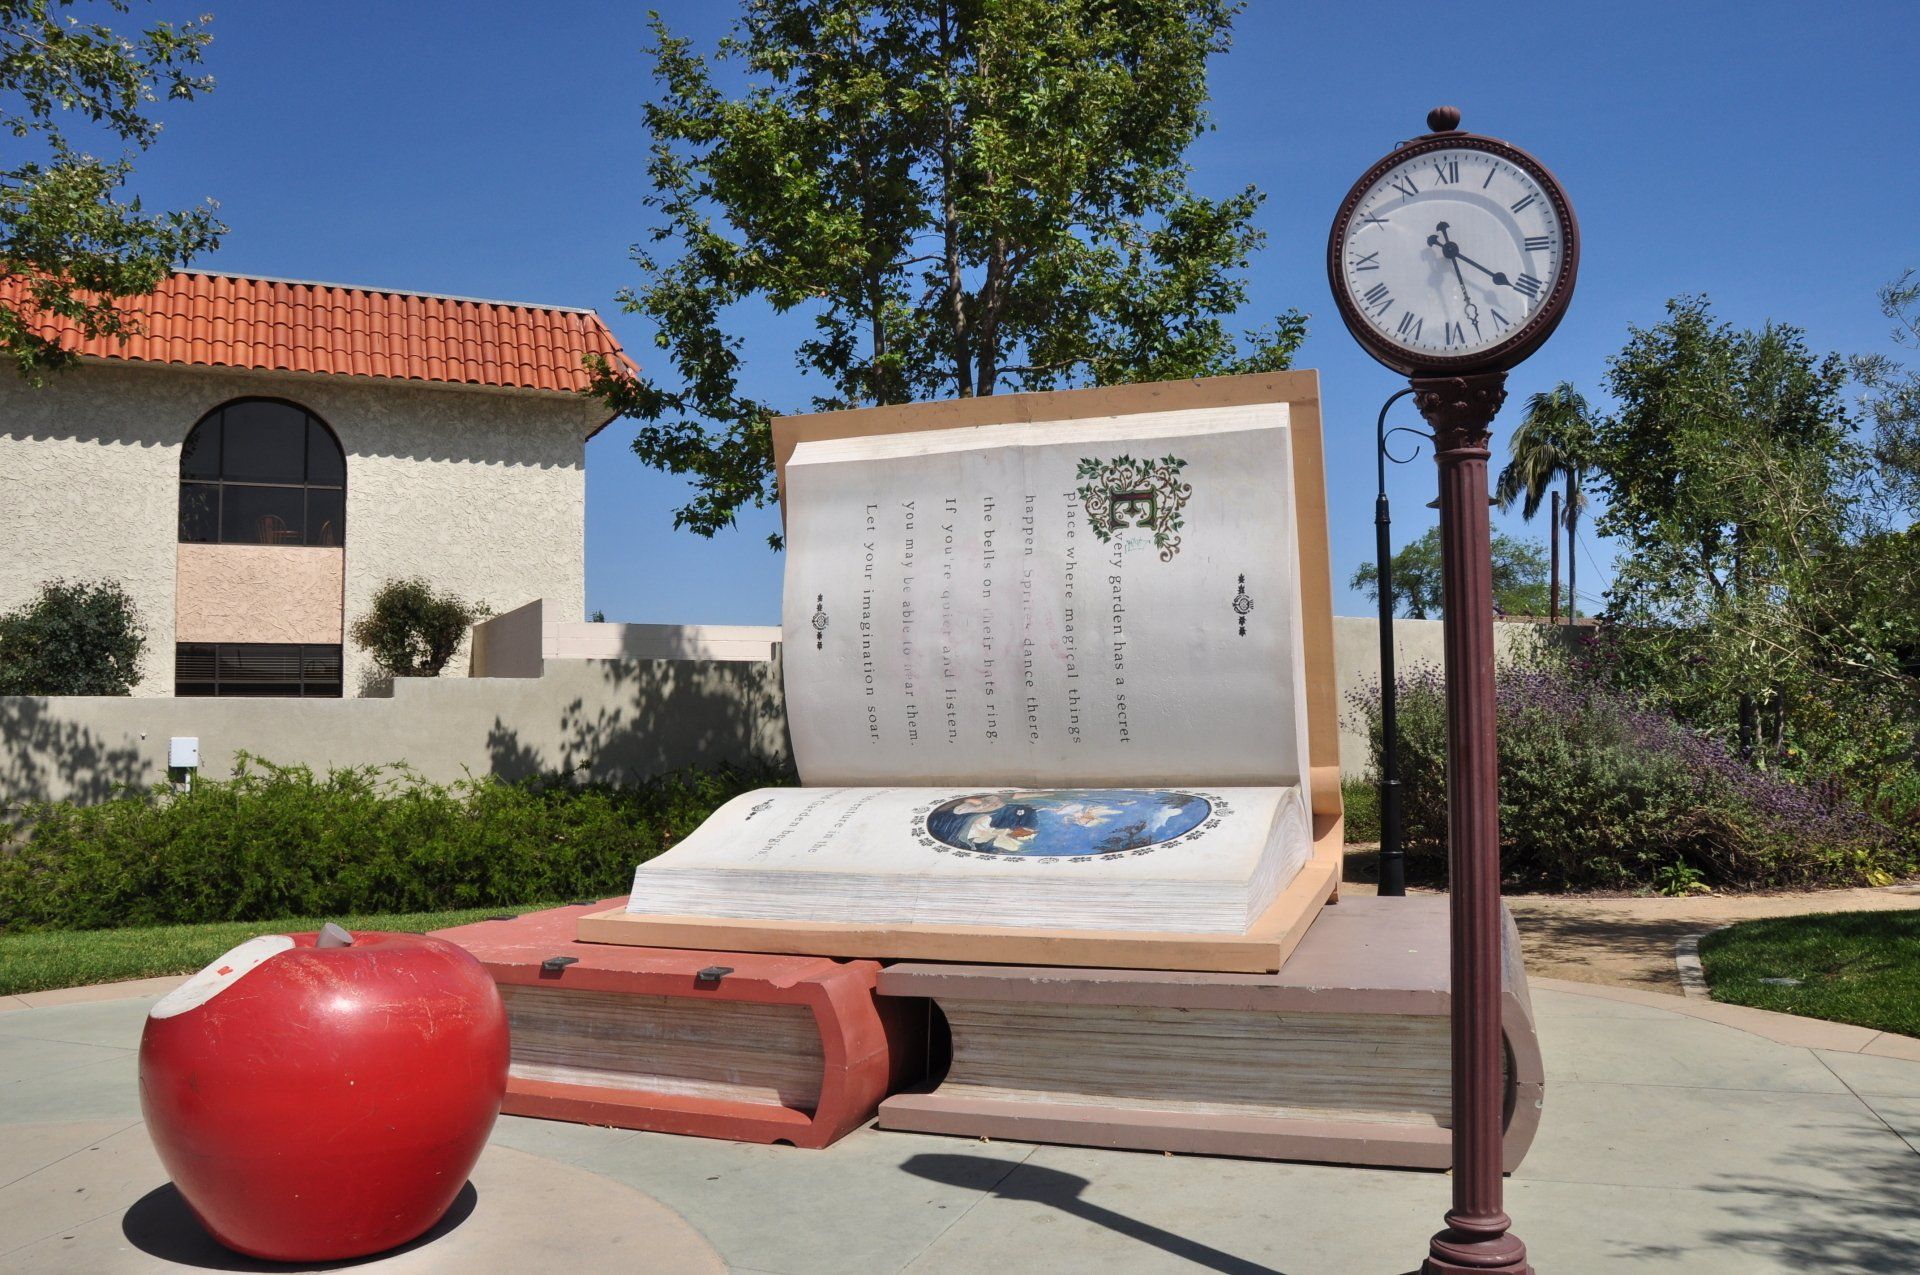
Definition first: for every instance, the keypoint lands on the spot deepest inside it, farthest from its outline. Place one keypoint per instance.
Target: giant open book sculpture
(1059, 685)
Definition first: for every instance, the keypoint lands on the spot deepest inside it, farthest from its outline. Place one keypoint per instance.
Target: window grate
(262, 669)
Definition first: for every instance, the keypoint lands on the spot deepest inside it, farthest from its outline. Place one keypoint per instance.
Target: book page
(1198, 858)
(1102, 602)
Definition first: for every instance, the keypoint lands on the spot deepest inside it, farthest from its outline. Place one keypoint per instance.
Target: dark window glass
(256, 669)
(326, 517)
(320, 670)
(262, 515)
(326, 466)
(262, 472)
(200, 454)
(199, 512)
(266, 442)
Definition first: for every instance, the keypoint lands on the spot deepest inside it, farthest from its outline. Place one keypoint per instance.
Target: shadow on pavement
(1061, 1191)
(161, 1225)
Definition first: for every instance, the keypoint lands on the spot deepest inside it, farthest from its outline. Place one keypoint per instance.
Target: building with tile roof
(264, 454)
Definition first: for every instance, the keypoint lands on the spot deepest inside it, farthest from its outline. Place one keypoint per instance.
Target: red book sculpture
(757, 1048)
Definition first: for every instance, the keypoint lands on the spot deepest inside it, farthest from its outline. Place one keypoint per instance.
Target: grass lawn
(1853, 967)
(74, 958)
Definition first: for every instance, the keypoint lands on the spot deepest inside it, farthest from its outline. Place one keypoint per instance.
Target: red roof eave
(276, 325)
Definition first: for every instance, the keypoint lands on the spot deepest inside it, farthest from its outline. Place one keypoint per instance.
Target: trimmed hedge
(279, 841)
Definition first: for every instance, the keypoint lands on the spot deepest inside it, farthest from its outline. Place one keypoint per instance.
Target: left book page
(1101, 602)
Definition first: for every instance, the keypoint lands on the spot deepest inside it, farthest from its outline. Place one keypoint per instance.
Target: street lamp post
(1393, 856)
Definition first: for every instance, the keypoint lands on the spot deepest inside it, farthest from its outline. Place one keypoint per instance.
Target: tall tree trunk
(950, 219)
(1573, 546)
(987, 336)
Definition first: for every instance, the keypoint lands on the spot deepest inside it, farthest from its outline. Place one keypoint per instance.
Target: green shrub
(79, 638)
(281, 841)
(1598, 790)
(1361, 797)
(412, 631)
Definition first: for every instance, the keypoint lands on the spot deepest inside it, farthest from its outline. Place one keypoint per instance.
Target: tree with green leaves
(1554, 442)
(1733, 479)
(1519, 577)
(74, 638)
(1892, 397)
(960, 196)
(412, 629)
(72, 244)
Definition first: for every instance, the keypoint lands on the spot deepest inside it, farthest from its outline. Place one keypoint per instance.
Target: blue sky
(1762, 153)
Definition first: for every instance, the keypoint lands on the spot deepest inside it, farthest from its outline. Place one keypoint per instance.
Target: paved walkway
(1629, 941)
(1670, 1142)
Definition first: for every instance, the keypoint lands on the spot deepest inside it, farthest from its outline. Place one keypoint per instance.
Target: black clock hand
(1451, 251)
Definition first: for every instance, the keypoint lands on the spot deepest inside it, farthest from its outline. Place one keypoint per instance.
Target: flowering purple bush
(1599, 790)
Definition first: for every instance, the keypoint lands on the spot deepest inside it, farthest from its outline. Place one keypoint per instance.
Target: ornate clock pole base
(1460, 409)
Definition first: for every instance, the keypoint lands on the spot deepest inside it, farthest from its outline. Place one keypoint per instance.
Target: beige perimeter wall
(613, 720)
(603, 720)
(482, 492)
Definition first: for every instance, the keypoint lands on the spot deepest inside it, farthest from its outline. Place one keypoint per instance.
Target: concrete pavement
(1671, 1142)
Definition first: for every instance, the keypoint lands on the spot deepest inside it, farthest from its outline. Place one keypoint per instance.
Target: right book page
(1097, 602)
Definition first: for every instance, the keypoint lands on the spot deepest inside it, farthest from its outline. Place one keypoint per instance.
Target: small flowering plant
(1599, 790)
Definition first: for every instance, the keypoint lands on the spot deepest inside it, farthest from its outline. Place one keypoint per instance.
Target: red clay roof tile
(277, 325)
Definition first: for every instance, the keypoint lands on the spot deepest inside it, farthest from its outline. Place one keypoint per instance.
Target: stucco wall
(517, 643)
(608, 719)
(257, 593)
(481, 492)
(614, 721)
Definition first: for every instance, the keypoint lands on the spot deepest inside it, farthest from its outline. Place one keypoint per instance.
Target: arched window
(262, 471)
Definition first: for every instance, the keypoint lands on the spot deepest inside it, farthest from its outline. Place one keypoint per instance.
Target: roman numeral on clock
(1456, 335)
(1371, 220)
(1405, 186)
(1529, 285)
(1500, 319)
(1449, 171)
(1410, 325)
(1523, 203)
(1537, 243)
(1368, 261)
(1378, 299)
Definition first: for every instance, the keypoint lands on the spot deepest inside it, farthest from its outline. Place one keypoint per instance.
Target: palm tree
(1555, 440)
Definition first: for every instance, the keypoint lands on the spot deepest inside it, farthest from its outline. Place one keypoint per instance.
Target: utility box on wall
(183, 753)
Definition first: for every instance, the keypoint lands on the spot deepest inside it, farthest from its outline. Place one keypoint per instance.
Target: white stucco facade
(480, 491)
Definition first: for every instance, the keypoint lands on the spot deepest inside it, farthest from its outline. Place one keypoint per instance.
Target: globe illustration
(1066, 822)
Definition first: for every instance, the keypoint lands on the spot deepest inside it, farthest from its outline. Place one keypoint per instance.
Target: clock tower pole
(1460, 411)
(1383, 263)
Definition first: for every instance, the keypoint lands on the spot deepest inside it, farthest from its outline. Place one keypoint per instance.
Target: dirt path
(1628, 942)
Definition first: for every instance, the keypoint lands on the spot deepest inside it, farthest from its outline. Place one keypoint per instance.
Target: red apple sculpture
(320, 1101)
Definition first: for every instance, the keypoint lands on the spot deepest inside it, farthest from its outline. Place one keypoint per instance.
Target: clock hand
(1451, 251)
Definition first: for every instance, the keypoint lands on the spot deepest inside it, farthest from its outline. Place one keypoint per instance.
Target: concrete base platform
(1675, 1145)
(1340, 1057)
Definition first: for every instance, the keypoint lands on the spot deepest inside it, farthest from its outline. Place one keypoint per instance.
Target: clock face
(1451, 252)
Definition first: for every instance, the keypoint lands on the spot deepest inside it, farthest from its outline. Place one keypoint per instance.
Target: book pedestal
(1341, 1057)
(755, 1048)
